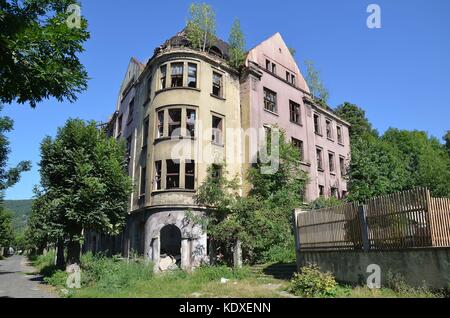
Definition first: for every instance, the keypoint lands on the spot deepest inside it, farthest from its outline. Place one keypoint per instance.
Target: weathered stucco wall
(419, 267)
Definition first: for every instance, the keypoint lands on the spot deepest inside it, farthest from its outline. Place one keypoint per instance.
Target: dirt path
(16, 283)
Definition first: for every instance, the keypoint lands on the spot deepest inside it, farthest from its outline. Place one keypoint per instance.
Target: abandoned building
(185, 110)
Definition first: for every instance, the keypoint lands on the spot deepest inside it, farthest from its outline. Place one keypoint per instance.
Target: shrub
(322, 202)
(58, 278)
(106, 272)
(280, 254)
(311, 282)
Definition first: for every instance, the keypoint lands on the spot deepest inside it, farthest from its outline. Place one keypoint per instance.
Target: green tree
(237, 45)
(201, 26)
(356, 116)
(84, 185)
(263, 219)
(427, 161)
(375, 169)
(447, 141)
(293, 51)
(8, 177)
(315, 83)
(39, 51)
(6, 229)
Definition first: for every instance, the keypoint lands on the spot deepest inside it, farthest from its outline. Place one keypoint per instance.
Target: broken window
(160, 124)
(143, 181)
(274, 68)
(149, 88)
(192, 75)
(145, 132)
(158, 167)
(130, 111)
(216, 171)
(334, 192)
(342, 166)
(189, 176)
(174, 122)
(299, 145)
(270, 100)
(317, 129)
(268, 65)
(163, 76)
(331, 162)
(119, 125)
(217, 85)
(172, 174)
(319, 159)
(321, 190)
(190, 122)
(329, 129)
(293, 82)
(294, 109)
(339, 134)
(217, 130)
(177, 74)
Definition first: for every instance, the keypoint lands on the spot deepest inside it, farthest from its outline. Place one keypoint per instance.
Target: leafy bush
(311, 282)
(58, 278)
(280, 254)
(107, 273)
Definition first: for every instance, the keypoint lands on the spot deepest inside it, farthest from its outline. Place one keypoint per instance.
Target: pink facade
(274, 93)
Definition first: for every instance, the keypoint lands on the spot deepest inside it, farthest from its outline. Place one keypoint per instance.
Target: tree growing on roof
(315, 83)
(201, 26)
(237, 45)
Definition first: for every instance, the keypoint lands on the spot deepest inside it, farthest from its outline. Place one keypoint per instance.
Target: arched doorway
(170, 239)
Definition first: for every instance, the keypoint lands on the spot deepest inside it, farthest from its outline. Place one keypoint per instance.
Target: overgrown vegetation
(84, 186)
(201, 26)
(262, 219)
(311, 282)
(237, 45)
(398, 160)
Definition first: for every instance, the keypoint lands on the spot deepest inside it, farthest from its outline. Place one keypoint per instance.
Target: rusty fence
(400, 220)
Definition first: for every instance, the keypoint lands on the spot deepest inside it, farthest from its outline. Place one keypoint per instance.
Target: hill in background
(21, 209)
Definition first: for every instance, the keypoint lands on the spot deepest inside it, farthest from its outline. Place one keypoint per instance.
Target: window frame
(189, 75)
(270, 103)
(217, 85)
(131, 105)
(319, 158)
(177, 124)
(163, 76)
(172, 174)
(160, 121)
(331, 162)
(342, 167)
(145, 131)
(340, 135)
(298, 112)
(329, 129)
(297, 143)
(217, 131)
(190, 127)
(178, 78)
(158, 175)
(190, 175)
(317, 126)
(143, 181)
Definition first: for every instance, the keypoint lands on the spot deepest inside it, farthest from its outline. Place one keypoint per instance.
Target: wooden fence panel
(399, 220)
(330, 228)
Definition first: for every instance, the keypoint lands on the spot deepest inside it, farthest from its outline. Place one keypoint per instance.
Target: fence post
(364, 229)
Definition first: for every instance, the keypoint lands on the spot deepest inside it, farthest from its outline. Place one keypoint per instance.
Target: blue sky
(399, 74)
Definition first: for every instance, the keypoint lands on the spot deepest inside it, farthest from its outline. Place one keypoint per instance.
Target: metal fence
(400, 220)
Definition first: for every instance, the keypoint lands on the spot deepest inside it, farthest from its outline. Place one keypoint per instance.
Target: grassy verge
(104, 277)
